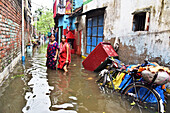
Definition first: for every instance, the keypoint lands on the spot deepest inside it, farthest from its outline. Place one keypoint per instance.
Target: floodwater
(32, 88)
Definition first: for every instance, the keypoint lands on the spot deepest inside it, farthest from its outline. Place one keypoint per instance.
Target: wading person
(65, 55)
(52, 52)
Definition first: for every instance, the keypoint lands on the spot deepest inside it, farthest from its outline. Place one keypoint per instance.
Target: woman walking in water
(52, 52)
(65, 55)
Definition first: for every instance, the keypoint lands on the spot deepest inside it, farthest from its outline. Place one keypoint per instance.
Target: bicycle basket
(161, 79)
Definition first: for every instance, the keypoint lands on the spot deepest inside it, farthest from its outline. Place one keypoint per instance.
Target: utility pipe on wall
(23, 51)
(60, 35)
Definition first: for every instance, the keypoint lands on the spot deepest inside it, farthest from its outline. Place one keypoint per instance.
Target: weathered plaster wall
(111, 19)
(63, 21)
(136, 46)
(154, 47)
(78, 3)
(94, 4)
(72, 20)
(123, 17)
(82, 26)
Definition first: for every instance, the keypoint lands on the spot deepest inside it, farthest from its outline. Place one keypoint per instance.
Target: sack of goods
(162, 77)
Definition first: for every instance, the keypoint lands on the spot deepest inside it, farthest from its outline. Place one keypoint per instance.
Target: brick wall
(10, 31)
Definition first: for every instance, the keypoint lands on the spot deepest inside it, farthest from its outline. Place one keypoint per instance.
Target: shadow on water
(12, 92)
(43, 90)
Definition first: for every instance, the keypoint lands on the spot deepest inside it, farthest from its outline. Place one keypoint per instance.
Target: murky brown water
(43, 90)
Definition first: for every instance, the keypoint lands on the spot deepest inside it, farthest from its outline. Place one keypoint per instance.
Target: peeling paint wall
(154, 47)
(136, 46)
(94, 4)
(63, 21)
(82, 26)
(78, 3)
(112, 18)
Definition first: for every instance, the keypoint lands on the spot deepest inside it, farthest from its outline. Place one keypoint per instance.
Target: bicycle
(108, 75)
(142, 95)
(139, 93)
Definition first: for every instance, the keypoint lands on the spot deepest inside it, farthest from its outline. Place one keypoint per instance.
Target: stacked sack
(149, 71)
(162, 74)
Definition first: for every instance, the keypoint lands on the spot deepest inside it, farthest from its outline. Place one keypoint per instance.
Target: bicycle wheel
(141, 99)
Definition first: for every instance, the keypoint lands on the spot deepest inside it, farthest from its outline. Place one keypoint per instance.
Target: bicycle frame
(144, 97)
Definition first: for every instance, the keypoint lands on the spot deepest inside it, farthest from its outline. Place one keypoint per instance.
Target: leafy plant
(18, 76)
(45, 21)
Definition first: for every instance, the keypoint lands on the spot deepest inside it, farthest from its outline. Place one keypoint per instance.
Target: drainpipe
(23, 56)
(59, 38)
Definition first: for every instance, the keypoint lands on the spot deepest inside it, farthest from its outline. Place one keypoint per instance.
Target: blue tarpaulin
(142, 91)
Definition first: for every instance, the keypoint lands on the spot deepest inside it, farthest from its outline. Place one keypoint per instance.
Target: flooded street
(32, 88)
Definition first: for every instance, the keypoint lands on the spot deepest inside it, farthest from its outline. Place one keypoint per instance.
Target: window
(141, 21)
(94, 32)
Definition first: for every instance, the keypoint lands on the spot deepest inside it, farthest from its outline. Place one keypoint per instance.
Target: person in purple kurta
(52, 53)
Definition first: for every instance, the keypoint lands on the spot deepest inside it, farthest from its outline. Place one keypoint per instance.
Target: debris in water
(90, 78)
(74, 65)
(65, 105)
(18, 76)
(73, 98)
(28, 107)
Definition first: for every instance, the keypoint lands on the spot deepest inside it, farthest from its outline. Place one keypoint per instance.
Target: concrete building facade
(141, 28)
(66, 22)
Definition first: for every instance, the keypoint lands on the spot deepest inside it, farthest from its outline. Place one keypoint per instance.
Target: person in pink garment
(64, 55)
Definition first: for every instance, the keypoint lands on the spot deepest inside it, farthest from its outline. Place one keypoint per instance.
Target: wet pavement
(32, 88)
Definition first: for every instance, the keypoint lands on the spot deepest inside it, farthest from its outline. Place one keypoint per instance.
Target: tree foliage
(45, 20)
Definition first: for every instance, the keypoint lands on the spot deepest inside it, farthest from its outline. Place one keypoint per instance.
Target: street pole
(23, 51)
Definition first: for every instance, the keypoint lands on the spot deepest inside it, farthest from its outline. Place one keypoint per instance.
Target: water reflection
(60, 95)
(37, 100)
(8, 98)
(29, 54)
(47, 86)
(43, 90)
